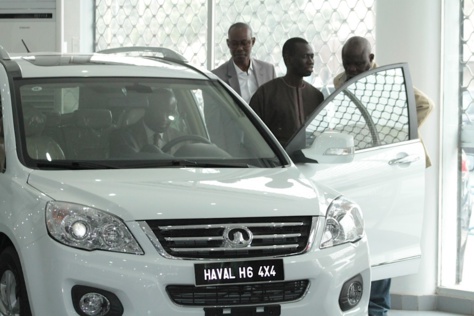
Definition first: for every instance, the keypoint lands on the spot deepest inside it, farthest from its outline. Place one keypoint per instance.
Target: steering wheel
(186, 138)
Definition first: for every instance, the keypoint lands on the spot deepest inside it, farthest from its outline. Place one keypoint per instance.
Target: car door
(386, 175)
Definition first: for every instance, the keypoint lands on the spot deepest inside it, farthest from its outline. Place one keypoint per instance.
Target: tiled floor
(419, 313)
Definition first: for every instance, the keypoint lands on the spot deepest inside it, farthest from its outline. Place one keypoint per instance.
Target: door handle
(404, 160)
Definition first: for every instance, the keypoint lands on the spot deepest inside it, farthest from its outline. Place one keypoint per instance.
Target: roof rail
(165, 53)
(4, 54)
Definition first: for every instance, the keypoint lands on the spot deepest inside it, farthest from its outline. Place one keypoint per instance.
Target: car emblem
(237, 237)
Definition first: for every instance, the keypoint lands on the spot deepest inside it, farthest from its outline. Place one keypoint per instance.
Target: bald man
(357, 57)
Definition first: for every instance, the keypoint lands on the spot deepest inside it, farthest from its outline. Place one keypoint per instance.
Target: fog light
(351, 293)
(91, 301)
(94, 304)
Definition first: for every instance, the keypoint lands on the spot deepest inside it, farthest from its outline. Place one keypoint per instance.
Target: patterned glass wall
(467, 57)
(465, 246)
(184, 25)
(180, 25)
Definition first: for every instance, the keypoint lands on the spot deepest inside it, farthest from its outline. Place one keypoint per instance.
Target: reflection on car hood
(140, 194)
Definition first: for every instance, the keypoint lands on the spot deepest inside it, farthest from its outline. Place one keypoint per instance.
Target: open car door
(365, 141)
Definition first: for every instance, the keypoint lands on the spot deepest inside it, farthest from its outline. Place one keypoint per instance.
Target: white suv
(217, 221)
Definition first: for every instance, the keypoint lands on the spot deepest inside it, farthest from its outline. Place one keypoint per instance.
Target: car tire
(13, 295)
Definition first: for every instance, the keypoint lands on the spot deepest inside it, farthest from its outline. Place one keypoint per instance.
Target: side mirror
(332, 148)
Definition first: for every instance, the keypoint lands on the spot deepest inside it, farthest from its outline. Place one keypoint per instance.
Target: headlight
(88, 228)
(344, 223)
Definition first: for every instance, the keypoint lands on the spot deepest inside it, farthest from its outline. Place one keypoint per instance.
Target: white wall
(410, 31)
(32, 33)
(449, 140)
(78, 25)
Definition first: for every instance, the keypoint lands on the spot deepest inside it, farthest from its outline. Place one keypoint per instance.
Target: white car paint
(46, 204)
(159, 193)
(386, 178)
(391, 222)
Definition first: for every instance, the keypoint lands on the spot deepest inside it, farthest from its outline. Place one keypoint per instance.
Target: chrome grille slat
(232, 249)
(226, 238)
(178, 227)
(274, 236)
(196, 238)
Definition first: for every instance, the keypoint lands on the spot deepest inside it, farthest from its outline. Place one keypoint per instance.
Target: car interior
(78, 120)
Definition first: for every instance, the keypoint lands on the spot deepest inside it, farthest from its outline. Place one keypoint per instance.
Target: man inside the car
(151, 132)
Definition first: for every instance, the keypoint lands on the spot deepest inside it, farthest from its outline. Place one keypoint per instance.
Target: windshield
(135, 123)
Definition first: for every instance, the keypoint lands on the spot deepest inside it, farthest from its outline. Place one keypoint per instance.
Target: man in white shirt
(243, 73)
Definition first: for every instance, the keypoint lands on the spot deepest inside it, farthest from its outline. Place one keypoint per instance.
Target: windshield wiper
(183, 163)
(207, 164)
(74, 165)
(124, 164)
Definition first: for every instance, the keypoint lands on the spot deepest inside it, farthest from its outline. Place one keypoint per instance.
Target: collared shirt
(247, 82)
(341, 78)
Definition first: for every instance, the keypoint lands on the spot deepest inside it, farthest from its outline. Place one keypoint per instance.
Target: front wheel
(13, 296)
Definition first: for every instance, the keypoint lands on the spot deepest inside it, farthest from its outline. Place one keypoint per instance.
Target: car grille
(209, 238)
(231, 295)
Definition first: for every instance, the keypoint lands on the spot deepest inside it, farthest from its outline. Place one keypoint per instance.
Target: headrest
(93, 118)
(34, 121)
(132, 116)
(53, 119)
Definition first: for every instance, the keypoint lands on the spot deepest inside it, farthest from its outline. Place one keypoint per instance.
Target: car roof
(43, 65)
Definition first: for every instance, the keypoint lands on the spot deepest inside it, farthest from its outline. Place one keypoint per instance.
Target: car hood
(141, 194)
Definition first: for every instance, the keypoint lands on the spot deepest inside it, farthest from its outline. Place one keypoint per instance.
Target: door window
(373, 110)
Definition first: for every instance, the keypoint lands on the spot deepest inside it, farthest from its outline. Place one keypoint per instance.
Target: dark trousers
(379, 302)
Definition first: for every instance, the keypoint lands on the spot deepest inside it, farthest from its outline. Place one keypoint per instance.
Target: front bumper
(140, 282)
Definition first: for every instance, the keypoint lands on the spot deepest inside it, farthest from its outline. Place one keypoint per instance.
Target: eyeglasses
(243, 43)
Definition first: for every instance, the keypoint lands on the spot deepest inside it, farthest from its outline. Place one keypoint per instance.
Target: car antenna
(24, 44)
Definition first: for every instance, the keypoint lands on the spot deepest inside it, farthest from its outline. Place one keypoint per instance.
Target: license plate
(238, 272)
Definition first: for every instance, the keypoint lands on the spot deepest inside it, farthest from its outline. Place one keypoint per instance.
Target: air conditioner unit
(28, 25)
